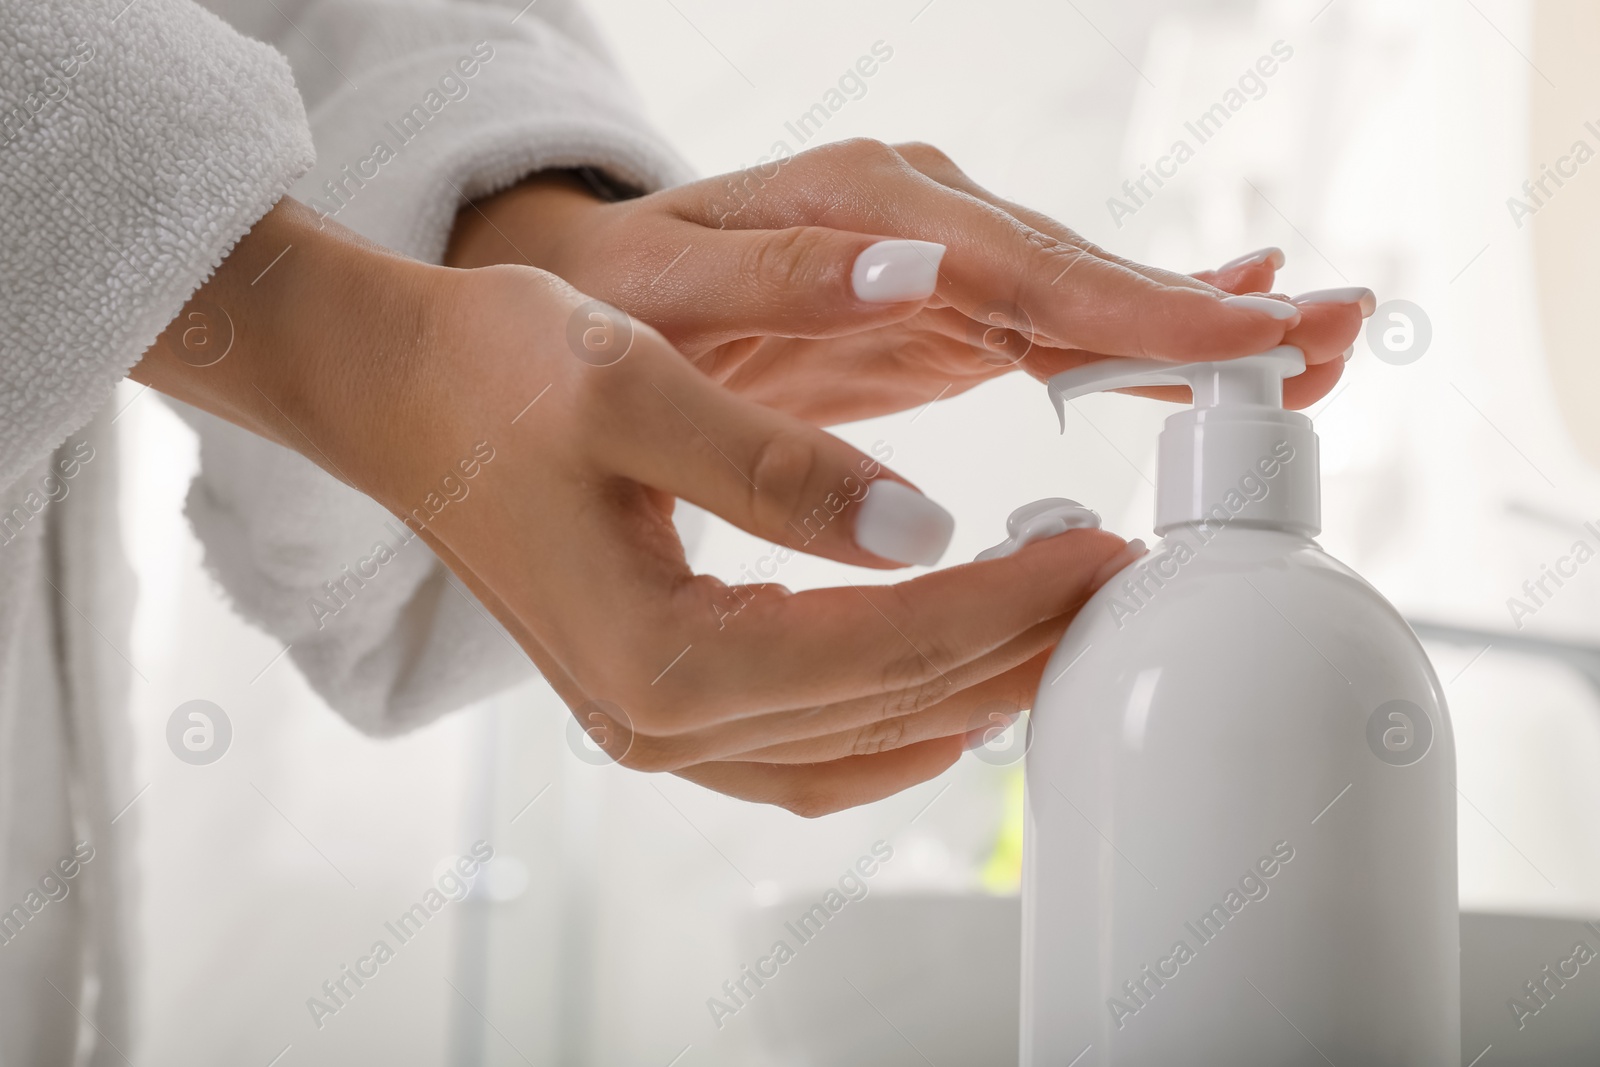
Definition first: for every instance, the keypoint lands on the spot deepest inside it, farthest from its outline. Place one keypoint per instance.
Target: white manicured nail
(1350, 294)
(897, 522)
(891, 271)
(1349, 352)
(1270, 254)
(1281, 310)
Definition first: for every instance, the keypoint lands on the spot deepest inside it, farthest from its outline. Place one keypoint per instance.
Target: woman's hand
(816, 700)
(859, 279)
(395, 376)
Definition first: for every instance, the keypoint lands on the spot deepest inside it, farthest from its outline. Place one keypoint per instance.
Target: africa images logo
(199, 732)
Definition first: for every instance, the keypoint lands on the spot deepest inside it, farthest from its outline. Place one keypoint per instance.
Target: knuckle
(915, 681)
(781, 470)
(920, 695)
(922, 155)
(865, 150)
(1088, 247)
(915, 670)
(1047, 267)
(882, 736)
(905, 670)
(1047, 251)
(788, 261)
(929, 693)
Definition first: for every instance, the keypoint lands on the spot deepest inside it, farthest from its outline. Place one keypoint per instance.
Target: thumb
(804, 281)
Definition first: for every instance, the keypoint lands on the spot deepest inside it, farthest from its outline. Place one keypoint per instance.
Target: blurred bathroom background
(1381, 152)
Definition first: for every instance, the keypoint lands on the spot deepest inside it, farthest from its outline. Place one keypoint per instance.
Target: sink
(917, 978)
(893, 979)
(1499, 954)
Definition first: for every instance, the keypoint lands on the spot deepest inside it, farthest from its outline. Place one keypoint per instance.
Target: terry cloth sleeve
(414, 106)
(138, 143)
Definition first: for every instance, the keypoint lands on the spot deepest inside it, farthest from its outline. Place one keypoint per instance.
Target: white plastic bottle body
(1240, 842)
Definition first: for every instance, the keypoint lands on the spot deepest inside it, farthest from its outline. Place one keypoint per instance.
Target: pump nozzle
(1254, 379)
(1236, 454)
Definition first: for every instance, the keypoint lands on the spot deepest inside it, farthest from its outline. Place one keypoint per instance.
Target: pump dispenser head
(1237, 455)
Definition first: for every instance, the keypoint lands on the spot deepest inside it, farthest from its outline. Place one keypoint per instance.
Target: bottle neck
(1245, 464)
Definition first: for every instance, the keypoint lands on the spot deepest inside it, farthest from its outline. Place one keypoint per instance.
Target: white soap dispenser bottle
(1240, 841)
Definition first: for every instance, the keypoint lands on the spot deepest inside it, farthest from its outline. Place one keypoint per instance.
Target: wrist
(532, 223)
(310, 337)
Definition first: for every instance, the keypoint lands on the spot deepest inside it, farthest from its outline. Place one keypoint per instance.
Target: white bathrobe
(138, 142)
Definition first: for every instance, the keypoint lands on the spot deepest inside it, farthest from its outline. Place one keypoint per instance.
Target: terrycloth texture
(467, 101)
(138, 151)
(137, 145)
(454, 99)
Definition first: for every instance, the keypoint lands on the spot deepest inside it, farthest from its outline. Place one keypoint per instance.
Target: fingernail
(892, 271)
(1349, 352)
(897, 522)
(1352, 294)
(1269, 254)
(1281, 310)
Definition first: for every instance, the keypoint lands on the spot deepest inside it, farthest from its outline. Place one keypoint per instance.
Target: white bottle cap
(1237, 455)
